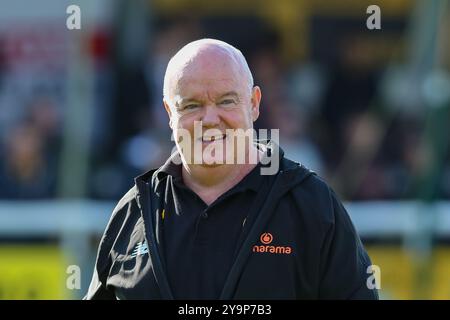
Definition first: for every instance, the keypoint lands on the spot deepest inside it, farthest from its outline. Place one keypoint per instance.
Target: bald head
(199, 55)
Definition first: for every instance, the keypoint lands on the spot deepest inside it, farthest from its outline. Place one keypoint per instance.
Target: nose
(211, 117)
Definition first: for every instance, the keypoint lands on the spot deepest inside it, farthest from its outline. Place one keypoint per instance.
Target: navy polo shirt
(200, 242)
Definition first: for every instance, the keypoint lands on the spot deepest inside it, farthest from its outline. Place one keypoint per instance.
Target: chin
(213, 165)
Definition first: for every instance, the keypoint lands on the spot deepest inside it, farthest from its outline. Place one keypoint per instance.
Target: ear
(169, 112)
(256, 100)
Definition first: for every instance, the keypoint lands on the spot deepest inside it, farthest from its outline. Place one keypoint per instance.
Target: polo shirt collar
(251, 181)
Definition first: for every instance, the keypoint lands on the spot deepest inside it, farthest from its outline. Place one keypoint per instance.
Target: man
(211, 223)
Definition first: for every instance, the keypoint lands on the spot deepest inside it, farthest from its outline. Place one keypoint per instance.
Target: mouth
(213, 138)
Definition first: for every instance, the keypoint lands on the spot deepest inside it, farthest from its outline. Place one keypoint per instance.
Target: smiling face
(211, 88)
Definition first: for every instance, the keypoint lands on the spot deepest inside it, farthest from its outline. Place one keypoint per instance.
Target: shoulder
(123, 206)
(122, 211)
(125, 200)
(315, 198)
(305, 183)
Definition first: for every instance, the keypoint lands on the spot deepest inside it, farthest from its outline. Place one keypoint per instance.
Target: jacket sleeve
(98, 289)
(344, 261)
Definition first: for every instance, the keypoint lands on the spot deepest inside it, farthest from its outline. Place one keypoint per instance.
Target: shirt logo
(266, 239)
(140, 249)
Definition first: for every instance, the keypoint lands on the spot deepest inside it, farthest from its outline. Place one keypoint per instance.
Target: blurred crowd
(341, 112)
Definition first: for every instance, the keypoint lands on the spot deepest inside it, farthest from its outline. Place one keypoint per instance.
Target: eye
(227, 101)
(190, 106)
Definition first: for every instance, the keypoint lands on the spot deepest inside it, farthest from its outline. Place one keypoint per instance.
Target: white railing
(75, 223)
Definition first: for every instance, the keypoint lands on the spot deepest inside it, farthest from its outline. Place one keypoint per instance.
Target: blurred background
(81, 115)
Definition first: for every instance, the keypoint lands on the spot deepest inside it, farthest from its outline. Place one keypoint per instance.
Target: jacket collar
(292, 173)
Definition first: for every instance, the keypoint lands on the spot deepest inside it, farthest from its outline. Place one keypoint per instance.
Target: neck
(209, 182)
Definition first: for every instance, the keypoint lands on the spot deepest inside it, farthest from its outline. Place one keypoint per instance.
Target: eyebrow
(230, 93)
(183, 101)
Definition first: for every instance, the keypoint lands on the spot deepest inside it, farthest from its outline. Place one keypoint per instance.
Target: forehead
(208, 73)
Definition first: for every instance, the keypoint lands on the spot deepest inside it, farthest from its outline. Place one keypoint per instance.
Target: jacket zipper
(252, 237)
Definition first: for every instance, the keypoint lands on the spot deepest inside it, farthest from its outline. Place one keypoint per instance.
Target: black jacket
(302, 245)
